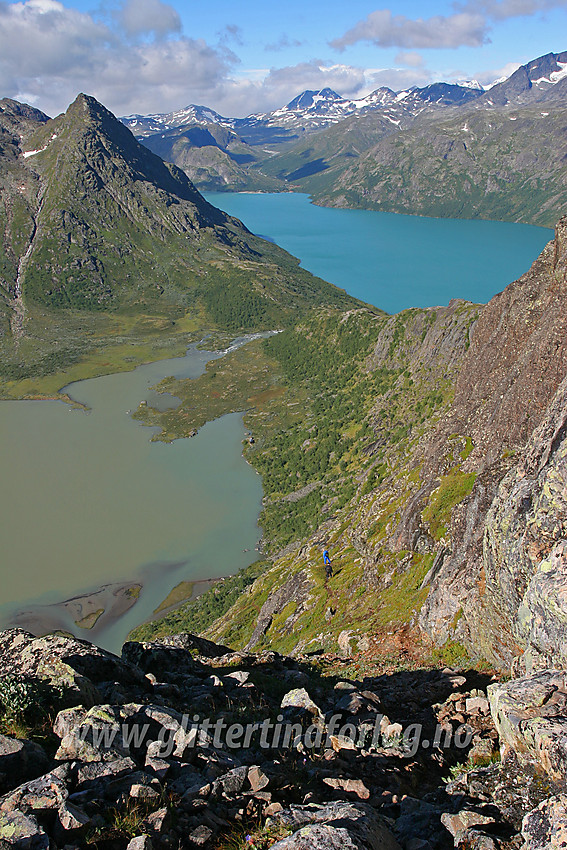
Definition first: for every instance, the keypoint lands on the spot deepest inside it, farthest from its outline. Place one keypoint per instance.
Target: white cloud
(140, 17)
(315, 74)
(397, 79)
(500, 10)
(409, 57)
(486, 78)
(387, 30)
(51, 52)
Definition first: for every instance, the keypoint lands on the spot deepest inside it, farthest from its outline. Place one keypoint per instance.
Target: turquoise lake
(389, 260)
(88, 500)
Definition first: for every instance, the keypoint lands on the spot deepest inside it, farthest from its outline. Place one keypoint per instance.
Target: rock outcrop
(510, 400)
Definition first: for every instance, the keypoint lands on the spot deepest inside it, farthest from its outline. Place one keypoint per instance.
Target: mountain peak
(309, 99)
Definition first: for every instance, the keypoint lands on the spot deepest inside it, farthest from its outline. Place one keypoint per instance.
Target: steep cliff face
(525, 544)
(509, 400)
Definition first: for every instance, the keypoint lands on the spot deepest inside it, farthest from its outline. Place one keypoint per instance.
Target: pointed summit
(111, 226)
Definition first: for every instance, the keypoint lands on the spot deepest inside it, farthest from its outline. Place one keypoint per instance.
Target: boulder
(299, 699)
(46, 793)
(171, 653)
(530, 715)
(95, 735)
(463, 820)
(20, 761)
(140, 842)
(334, 826)
(348, 786)
(22, 832)
(76, 665)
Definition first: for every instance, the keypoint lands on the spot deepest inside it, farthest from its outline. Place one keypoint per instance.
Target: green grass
(453, 488)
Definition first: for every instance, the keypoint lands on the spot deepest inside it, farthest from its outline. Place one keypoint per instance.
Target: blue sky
(247, 56)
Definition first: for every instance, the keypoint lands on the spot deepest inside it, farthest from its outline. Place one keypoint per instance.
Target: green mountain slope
(213, 157)
(506, 164)
(101, 234)
(430, 459)
(315, 164)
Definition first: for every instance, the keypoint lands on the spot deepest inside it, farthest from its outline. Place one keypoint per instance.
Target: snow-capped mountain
(311, 110)
(147, 125)
(543, 79)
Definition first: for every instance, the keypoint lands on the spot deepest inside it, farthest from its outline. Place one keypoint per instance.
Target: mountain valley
(421, 680)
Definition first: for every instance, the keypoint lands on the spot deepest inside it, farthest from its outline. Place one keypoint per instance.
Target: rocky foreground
(184, 743)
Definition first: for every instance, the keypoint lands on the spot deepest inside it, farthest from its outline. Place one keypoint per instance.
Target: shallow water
(87, 499)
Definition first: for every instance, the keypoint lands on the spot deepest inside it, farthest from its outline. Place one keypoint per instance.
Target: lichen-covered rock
(46, 793)
(542, 616)
(531, 718)
(22, 832)
(545, 828)
(99, 734)
(76, 665)
(299, 699)
(335, 826)
(525, 554)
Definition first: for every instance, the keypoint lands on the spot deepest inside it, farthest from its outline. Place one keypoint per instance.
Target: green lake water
(86, 499)
(389, 260)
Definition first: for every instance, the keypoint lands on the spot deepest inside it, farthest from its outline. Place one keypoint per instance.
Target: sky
(246, 56)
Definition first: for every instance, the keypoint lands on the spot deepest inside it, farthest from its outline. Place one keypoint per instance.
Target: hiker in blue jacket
(328, 565)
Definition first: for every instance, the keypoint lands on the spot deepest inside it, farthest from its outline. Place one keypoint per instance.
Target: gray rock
(542, 615)
(201, 835)
(238, 676)
(76, 665)
(22, 832)
(474, 839)
(257, 778)
(530, 715)
(71, 823)
(334, 826)
(171, 653)
(140, 842)
(299, 698)
(545, 828)
(97, 735)
(46, 793)
(231, 784)
(93, 775)
(463, 820)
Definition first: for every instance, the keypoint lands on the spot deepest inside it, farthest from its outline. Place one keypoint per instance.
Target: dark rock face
(20, 761)
(510, 399)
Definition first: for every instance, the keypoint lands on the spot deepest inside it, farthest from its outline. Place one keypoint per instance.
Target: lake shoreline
(86, 612)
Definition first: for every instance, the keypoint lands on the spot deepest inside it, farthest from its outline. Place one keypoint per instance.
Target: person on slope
(328, 565)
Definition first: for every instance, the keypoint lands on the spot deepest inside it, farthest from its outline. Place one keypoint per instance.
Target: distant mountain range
(335, 148)
(309, 110)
